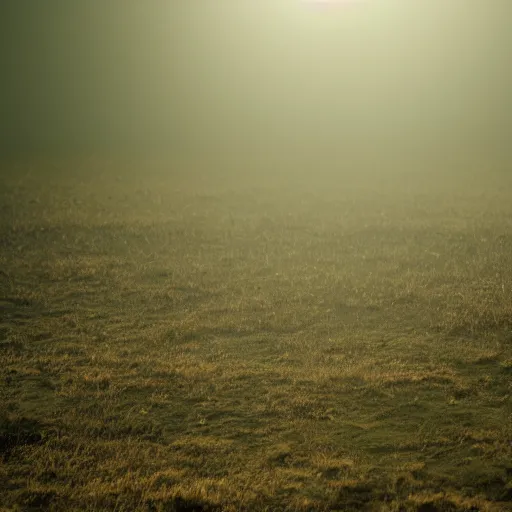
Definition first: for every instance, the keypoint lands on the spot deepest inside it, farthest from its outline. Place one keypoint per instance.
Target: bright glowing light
(334, 4)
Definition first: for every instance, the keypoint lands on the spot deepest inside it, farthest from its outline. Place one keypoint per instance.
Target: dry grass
(211, 343)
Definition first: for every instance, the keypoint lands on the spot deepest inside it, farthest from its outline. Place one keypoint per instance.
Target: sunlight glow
(342, 3)
(334, 5)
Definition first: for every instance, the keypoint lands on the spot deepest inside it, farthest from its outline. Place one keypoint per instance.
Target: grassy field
(201, 342)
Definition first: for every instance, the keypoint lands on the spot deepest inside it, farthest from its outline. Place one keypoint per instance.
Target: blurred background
(285, 83)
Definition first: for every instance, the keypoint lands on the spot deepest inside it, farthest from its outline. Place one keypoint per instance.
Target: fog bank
(379, 83)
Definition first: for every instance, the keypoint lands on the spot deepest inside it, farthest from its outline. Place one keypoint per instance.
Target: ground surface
(198, 342)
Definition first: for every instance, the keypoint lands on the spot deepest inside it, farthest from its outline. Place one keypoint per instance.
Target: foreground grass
(196, 344)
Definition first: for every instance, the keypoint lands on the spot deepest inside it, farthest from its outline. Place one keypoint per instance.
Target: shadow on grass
(17, 432)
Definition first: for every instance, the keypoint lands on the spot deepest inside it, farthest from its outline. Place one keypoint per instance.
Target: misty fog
(387, 83)
(255, 255)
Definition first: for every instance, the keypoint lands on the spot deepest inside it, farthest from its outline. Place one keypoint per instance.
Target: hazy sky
(373, 77)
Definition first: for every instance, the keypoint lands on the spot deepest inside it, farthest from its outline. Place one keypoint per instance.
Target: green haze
(390, 82)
